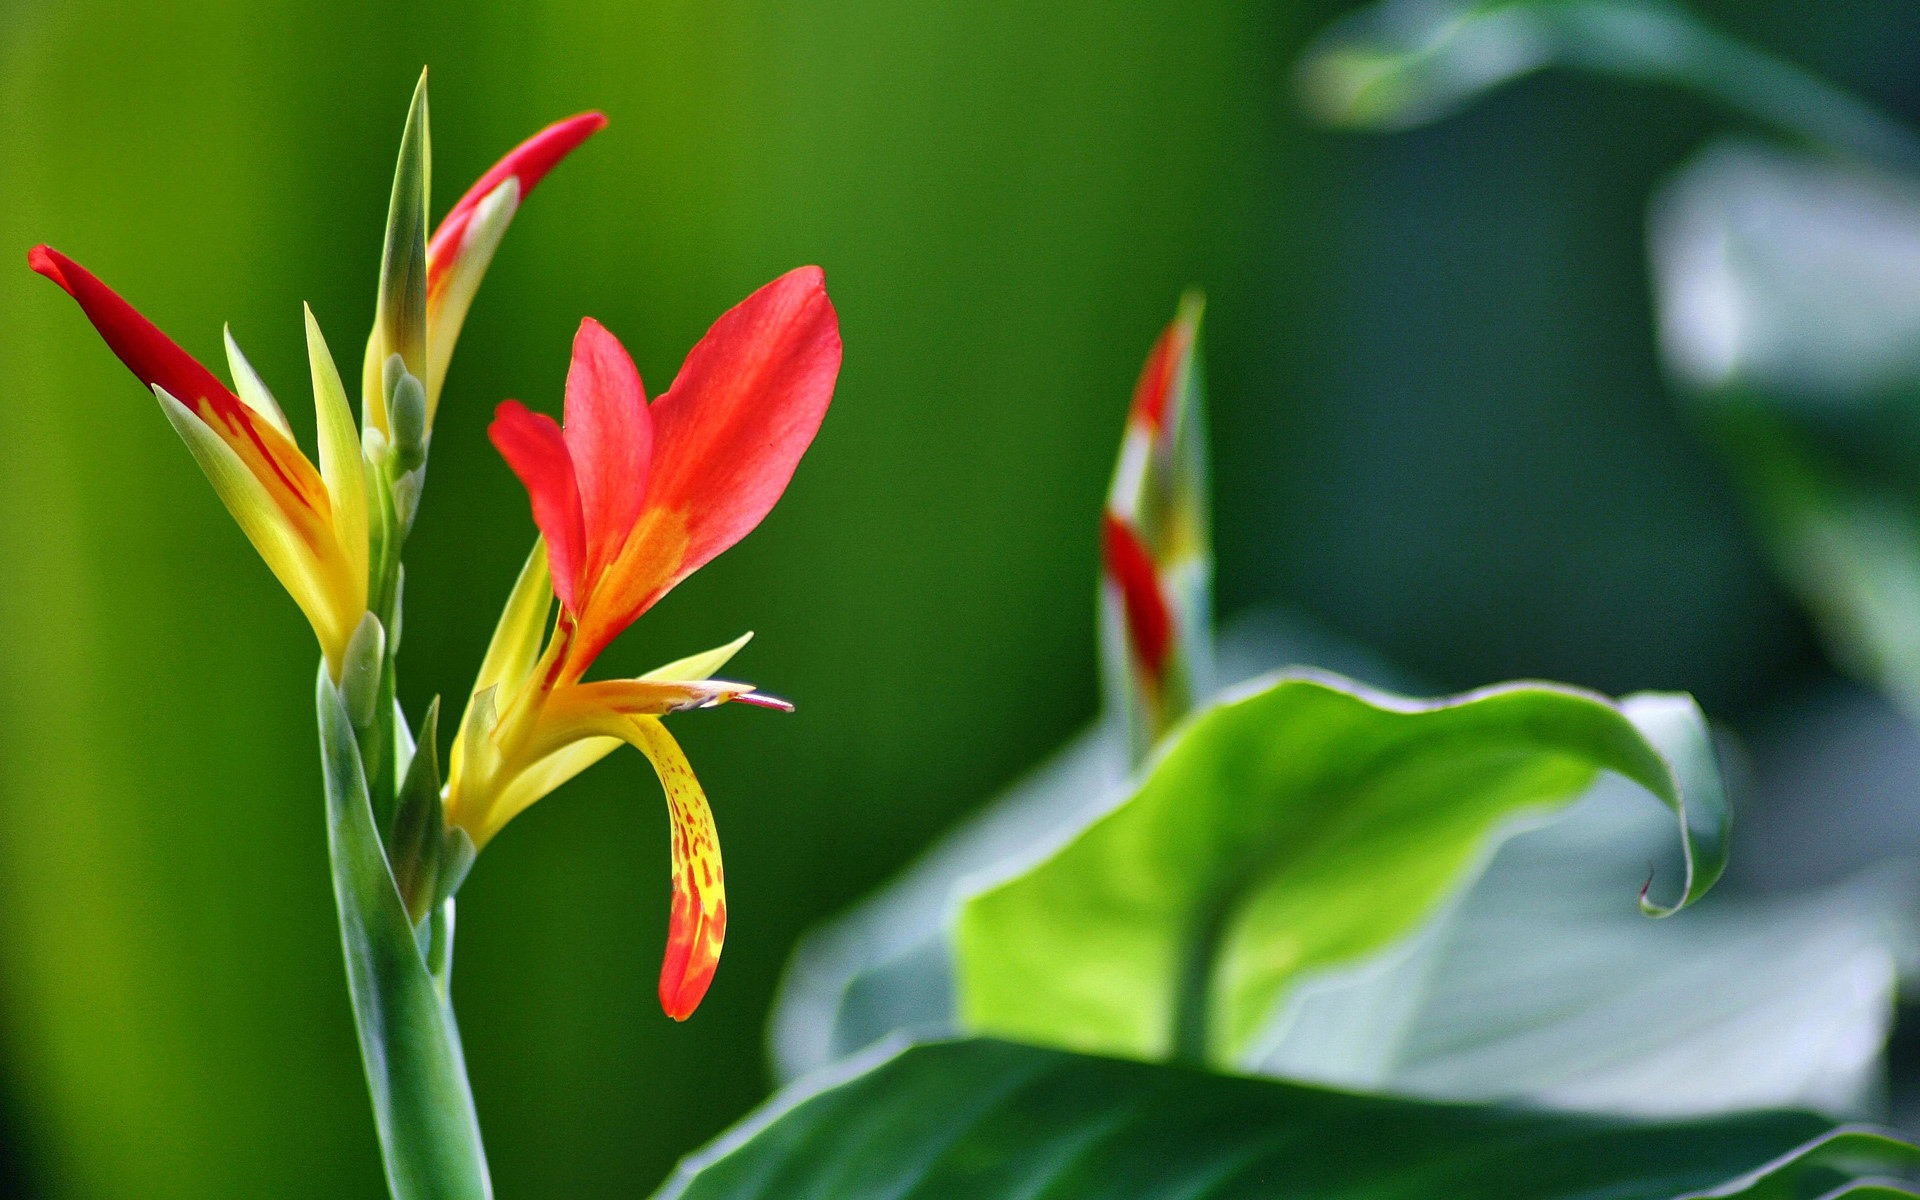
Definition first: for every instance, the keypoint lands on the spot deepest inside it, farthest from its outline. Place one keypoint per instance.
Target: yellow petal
(510, 656)
(340, 462)
(697, 923)
(314, 575)
(523, 623)
(251, 389)
(449, 300)
(605, 708)
(703, 664)
(541, 779)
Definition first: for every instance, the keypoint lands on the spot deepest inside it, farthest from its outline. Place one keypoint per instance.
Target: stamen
(762, 700)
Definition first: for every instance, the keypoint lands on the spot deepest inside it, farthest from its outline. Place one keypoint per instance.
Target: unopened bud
(406, 416)
(1157, 626)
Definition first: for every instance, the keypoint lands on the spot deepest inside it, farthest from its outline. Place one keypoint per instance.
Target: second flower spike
(630, 498)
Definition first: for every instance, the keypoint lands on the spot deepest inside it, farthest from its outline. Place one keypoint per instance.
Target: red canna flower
(630, 498)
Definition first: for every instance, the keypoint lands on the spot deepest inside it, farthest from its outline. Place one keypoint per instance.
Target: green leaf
(886, 966)
(409, 1044)
(989, 1120)
(1535, 987)
(1305, 823)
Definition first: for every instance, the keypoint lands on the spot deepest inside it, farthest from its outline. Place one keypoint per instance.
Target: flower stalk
(630, 498)
(334, 534)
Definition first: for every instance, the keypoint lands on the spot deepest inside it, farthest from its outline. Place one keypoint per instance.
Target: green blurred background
(1441, 430)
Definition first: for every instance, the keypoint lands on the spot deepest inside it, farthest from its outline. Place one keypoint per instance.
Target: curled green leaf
(1303, 823)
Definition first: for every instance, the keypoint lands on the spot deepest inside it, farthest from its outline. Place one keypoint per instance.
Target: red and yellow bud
(1155, 552)
(463, 245)
(630, 498)
(309, 525)
(427, 284)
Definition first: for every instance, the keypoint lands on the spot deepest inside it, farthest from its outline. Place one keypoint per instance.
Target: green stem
(1193, 989)
(409, 1043)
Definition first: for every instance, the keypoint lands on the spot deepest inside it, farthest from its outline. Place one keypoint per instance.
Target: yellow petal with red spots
(697, 922)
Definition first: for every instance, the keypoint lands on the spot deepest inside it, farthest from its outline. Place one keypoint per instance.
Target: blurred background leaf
(1433, 369)
(1539, 986)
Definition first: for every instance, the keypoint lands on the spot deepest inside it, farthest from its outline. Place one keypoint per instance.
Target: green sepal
(414, 845)
(409, 1043)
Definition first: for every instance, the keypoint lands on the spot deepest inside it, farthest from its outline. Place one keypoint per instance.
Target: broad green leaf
(1302, 824)
(1540, 987)
(989, 1120)
(409, 1043)
(1789, 295)
(1534, 987)
(886, 966)
(1402, 63)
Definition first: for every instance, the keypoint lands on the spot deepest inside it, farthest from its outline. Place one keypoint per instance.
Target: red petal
(536, 450)
(529, 162)
(693, 951)
(610, 437)
(157, 360)
(1155, 386)
(1149, 620)
(150, 354)
(726, 439)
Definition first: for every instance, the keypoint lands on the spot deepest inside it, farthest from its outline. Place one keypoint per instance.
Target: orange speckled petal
(697, 924)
